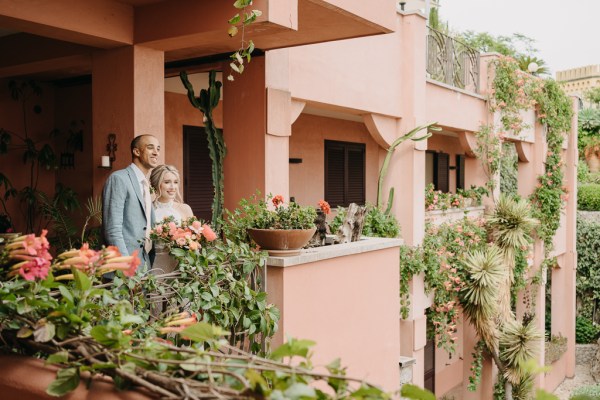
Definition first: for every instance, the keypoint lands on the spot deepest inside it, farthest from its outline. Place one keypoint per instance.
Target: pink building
(332, 85)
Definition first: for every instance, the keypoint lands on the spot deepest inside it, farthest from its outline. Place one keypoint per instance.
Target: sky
(567, 32)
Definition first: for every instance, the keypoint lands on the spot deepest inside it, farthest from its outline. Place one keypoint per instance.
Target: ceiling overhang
(183, 29)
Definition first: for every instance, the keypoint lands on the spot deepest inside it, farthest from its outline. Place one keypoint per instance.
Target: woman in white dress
(165, 182)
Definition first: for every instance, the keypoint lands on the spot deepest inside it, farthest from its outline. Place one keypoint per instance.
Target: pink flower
(208, 233)
(158, 229)
(181, 241)
(36, 268)
(194, 245)
(196, 226)
(325, 207)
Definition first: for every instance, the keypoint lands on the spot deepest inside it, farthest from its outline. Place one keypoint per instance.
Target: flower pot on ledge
(282, 242)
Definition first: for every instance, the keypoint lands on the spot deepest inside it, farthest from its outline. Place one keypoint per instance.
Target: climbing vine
(513, 91)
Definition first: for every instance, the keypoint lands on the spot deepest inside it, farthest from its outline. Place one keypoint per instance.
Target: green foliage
(588, 197)
(237, 22)
(377, 223)
(588, 268)
(257, 213)
(438, 200)
(593, 95)
(516, 45)
(583, 173)
(588, 392)
(411, 264)
(390, 151)
(586, 331)
(206, 103)
(509, 168)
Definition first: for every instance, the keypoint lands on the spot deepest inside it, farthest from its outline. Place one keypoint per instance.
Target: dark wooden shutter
(334, 174)
(441, 172)
(344, 173)
(356, 174)
(197, 170)
(460, 171)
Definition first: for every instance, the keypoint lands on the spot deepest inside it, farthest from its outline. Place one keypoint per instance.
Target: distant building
(576, 81)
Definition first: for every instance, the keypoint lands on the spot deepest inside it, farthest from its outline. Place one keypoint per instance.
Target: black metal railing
(452, 62)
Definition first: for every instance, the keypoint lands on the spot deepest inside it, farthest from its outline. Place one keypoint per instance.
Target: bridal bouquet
(189, 235)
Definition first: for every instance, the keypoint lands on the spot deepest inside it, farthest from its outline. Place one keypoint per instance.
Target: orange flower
(208, 233)
(277, 200)
(325, 207)
(133, 264)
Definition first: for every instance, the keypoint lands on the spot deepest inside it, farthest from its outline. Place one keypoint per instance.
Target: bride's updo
(158, 175)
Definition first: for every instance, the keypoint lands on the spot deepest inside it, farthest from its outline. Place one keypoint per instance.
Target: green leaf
(66, 294)
(235, 19)
(24, 332)
(299, 391)
(131, 319)
(202, 331)
(59, 357)
(194, 364)
(45, 332)
(416, 393)
(81, 280)
(66, 381)
(292, 348)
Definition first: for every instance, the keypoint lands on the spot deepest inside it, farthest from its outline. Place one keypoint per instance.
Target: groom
(126, 204)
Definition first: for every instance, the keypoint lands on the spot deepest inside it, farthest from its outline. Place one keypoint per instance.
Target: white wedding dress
(163, 262)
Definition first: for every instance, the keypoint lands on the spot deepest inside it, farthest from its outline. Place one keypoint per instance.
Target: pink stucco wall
(349, 306)
(309, 132)
(443, 103)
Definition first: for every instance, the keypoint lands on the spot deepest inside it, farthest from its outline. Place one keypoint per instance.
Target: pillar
(128, 100)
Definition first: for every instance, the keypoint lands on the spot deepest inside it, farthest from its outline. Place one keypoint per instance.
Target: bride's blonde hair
(158, 175)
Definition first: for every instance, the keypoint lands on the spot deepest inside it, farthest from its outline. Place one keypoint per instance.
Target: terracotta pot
(282, 242)
(593, 162)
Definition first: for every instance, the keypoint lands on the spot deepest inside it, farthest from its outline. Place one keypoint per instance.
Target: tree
(593, 96)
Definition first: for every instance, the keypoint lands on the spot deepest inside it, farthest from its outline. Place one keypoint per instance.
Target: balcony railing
(452, 62)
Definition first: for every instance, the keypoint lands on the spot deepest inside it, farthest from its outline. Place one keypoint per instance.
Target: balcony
(452, 62)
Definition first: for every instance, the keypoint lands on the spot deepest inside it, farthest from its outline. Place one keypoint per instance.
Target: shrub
(586, 331)
(583, 172)
(589, 392)
(588, 198)
(377, 223)
(588, 267)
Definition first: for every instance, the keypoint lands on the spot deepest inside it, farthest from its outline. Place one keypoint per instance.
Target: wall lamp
(111, 148)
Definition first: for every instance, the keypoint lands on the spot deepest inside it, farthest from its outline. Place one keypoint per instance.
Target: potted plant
(592, 153)
(280, 229)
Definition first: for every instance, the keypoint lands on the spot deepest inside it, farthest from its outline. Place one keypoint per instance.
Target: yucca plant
(510, 225)
(519, 343)
(479, 296)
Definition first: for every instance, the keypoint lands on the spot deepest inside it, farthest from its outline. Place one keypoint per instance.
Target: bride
(165, 182)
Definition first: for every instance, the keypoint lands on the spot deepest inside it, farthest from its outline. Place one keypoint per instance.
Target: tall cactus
(206, 103)
(386, 162)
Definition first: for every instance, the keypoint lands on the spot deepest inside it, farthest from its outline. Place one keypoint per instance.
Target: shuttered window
(197, 171)
(460, 171)
(441, 172)
(344, 173)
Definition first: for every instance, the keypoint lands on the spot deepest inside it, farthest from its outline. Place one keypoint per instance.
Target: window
(344, 173)
(437, 170)
(197, 172)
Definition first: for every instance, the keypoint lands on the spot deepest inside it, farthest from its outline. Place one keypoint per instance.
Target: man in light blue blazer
(124, 204)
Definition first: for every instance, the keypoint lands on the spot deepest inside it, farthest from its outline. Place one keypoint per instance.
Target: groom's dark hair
(136, 141)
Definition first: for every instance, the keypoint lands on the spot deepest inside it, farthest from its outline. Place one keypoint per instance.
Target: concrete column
(244, 127)
(570, 267)
(406, 174)
(128, 100)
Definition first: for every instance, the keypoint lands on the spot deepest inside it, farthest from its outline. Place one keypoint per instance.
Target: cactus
(386, 162)
(206, 103)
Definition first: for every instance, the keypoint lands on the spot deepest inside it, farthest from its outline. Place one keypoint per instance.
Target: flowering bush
(438, 200)
(189, 235)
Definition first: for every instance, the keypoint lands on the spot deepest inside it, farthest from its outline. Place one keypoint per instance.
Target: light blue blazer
(123, 216)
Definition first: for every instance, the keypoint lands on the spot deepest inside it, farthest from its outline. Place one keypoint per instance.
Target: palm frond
(94, 208)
